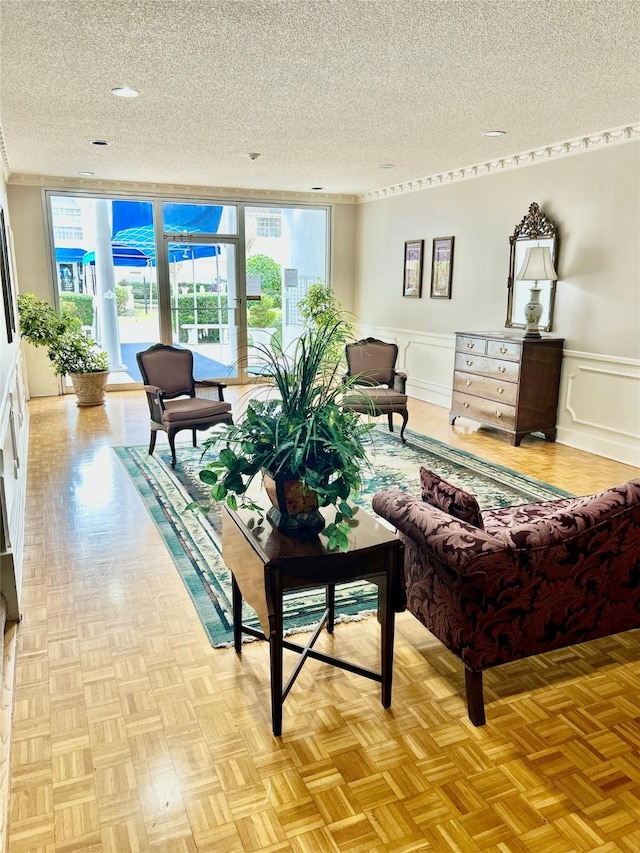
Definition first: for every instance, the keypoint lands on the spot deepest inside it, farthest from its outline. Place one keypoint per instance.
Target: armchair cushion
(450, 498)
(193, 410)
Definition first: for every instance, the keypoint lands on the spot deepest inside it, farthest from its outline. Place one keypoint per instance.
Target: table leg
(387, 627)
(331, 607)
(275, 654)
(236, 601)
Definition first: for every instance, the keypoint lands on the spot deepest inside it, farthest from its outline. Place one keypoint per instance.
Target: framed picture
(7, 286)
(442, 268)
(412, 282)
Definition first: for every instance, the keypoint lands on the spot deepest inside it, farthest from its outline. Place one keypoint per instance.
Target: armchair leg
(405, 418)
(390, 418)
(195, 440)
(475, 697)
(172, 445)
(152, 441)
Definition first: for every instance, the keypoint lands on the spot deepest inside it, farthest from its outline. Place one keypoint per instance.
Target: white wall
(14, 431)
(594, 199)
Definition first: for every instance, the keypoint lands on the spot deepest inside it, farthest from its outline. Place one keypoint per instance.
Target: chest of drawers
(508, 382)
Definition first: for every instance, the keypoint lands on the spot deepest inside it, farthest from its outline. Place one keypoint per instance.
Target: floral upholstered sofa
(500, 585)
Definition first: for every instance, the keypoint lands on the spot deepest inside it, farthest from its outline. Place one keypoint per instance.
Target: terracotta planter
(90, 388)
(295, 508)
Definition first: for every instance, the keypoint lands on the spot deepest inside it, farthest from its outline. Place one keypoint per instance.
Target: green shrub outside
(79, 305)
(122, 297)
(207, 307)
(262, 313)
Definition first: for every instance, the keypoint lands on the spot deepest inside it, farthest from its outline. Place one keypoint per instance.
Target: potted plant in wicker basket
(309, 452)
(70, 351)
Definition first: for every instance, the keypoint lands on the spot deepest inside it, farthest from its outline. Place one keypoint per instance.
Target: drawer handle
(467, 382)
(498, 414)
(503, 349)
(469, 362)
(501, 368)
(466, 405)
(500, 390)
(470, 345)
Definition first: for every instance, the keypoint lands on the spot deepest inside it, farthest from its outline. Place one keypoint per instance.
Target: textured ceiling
(326, 92)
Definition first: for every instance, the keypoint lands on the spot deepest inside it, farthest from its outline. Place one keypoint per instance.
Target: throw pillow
(450, 498)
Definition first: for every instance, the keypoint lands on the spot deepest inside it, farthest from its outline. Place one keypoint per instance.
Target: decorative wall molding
(579, 145)
(4, 158)
(599, 405)
(52, 182)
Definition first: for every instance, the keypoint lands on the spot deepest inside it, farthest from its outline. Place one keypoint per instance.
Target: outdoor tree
(270, 277)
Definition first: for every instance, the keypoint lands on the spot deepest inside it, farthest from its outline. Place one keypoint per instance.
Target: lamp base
(532, 313)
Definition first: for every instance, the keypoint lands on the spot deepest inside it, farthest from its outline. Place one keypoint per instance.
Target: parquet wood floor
(132, 734)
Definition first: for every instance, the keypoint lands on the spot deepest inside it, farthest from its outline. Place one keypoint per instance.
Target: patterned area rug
(193, 539)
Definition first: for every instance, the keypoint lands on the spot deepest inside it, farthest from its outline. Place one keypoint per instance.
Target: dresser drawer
(485, 386)
(488, 411)
(511, 350)
(493, 367)
(467, 343)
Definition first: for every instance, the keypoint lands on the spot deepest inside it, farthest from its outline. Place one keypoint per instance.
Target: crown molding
(527, 158)
(4, 159)
(51, 182)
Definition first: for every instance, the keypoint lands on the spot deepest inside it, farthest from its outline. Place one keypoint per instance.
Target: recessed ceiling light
(387, 165)
(253, 155)
(86, 174)
(495, 132)
(99, 142)
(125, 92)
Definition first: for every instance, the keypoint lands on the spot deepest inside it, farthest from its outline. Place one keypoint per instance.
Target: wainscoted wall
(599, 407)
(599, 404)
(593, 198)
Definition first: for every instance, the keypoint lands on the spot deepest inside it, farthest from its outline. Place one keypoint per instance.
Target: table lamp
(537, 266)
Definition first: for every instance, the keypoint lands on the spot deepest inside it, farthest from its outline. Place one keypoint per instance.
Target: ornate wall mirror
(534, 230)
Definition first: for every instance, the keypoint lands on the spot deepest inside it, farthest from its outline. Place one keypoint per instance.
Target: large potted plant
(70, 351)
(307, 449)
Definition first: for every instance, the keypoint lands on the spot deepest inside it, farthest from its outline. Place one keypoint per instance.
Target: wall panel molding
(599, 404)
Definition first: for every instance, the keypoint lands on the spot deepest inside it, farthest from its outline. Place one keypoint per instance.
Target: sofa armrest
(454, 543)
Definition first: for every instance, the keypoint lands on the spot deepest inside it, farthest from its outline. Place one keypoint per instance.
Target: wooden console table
(265, 564)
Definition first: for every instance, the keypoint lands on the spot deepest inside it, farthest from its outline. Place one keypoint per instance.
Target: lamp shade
(537, 265)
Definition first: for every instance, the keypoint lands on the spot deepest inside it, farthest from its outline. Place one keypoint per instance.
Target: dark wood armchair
(167, 373)
(379, 388)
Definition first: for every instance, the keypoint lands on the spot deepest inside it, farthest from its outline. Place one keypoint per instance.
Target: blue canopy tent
(133, 226)
(70, 255)
(123, 256)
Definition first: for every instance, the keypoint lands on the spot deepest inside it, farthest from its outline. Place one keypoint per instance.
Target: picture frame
(7, 284)
(412, 278)
(442, 267)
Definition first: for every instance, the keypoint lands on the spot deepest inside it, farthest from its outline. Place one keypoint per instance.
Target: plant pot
(90, 388)
(295, 508)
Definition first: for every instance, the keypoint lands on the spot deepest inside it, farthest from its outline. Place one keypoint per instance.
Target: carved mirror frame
(534, 230)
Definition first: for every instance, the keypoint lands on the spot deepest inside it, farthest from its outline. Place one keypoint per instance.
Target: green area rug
(193, 539)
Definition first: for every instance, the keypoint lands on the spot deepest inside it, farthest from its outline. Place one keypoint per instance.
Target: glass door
(205, 305)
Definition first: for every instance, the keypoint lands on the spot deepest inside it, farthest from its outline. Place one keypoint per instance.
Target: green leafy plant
(321, 308)
(68, 348)
(303, 435)
(74, 352)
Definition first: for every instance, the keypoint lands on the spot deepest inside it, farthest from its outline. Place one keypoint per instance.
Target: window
(67, 212)
(67, 232)
(269, 226)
